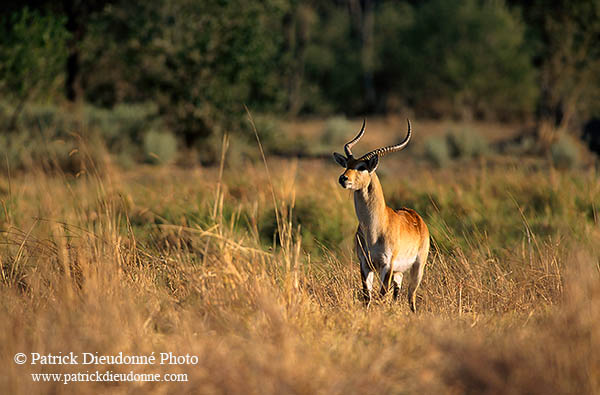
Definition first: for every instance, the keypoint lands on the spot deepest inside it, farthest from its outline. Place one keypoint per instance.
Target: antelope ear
(372, 163)
(340, 159)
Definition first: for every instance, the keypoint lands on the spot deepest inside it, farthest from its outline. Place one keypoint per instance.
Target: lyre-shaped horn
(391, 148)
(348, 146)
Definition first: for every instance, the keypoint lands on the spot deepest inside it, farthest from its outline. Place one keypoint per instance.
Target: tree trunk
(362, 10)
(72, 78)
(368, 53)
(76, 28)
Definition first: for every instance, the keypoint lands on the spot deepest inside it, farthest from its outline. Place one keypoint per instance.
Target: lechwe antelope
(389, 242)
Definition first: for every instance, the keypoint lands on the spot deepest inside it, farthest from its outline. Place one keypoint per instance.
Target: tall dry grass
(177, 261)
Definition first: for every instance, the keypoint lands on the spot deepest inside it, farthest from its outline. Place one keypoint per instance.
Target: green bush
(48, 119)
(564, 153)
(466, 143)
(51, 139)
(45, 150)
(48, 134)
(337, 132)
(437, 151)
(33, 52)
(124, 122)
(319, 225)
(160, 147)
(455, 145)
(273, 138)
(122, 129)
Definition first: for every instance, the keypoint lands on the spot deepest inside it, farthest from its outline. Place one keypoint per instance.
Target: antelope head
(358, 170)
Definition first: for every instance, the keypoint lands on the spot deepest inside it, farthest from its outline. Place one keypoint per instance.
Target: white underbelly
(402, 264)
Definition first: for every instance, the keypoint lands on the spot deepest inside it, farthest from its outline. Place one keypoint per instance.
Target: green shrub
(47, 135)
(49, 138)
(160, 147)
(437, 151)
(466, 144)
(33, 49)
(46, 118)
(26, 150)
(240, 149)
(123, 122)
(564, 153)
(319, 225)
(337, 131)
(272, 137)
(12, 149)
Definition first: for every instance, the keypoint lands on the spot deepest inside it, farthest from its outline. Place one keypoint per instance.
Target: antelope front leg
(367, 276)
(397, 284)
(385, 275)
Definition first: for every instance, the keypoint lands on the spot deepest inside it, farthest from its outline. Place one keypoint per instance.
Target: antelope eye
(361, 167)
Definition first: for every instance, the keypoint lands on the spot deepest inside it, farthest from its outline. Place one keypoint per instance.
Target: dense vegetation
(197, 63)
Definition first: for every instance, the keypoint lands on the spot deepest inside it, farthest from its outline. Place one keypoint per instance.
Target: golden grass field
(167, 259)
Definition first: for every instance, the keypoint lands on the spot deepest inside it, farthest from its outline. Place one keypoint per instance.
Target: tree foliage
(32, 56)
(199, 62)
(567, 41)
(447, 57)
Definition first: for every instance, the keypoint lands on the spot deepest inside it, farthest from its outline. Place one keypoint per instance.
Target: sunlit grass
(191, 261)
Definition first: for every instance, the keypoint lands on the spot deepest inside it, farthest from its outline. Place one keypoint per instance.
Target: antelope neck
(370, 209)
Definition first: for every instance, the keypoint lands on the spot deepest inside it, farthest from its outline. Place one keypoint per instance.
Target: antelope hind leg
(416, 274)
